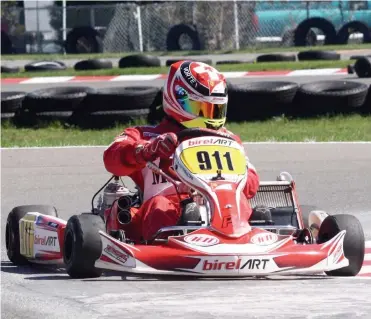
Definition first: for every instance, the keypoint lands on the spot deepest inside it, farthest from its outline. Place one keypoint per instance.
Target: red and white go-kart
(224, 241)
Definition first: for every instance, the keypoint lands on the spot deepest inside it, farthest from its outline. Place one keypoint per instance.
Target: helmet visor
(204, 109)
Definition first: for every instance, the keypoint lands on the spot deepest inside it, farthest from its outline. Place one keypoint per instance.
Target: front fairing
(216, 168)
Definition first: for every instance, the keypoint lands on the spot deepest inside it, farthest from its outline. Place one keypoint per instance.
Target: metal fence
(225, 25)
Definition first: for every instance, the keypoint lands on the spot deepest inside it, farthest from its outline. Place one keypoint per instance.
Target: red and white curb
(153, 77)
(366, 268)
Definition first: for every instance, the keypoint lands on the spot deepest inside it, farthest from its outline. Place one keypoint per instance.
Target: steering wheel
(200, 132)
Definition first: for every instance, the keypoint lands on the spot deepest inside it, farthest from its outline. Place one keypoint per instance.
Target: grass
(338, 128)
(268, 66)
(183, 53)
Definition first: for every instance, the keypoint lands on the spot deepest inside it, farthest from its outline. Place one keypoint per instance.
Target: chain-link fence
(184, 25)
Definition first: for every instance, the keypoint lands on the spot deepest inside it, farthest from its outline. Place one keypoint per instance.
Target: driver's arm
(119, 157)
(130, 152)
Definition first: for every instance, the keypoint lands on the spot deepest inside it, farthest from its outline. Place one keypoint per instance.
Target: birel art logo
(254, 263)
(116, 254)
(264, 239)
(45, 240)
(201, 240)
(210, 141)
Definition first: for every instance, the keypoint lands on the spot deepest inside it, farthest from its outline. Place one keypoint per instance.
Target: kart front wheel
(82, 245)
(12, 229)
(354, 241)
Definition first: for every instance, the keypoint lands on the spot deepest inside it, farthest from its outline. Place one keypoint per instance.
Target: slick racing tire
(12, 229)
(11, 101)
(82, 245)
(354, 241)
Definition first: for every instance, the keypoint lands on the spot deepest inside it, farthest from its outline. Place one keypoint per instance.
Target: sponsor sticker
(264, 239)
(116, 254)
(239, 264)
(202, 240)
(45, 240)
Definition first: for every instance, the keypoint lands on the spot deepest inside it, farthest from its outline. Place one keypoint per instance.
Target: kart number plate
(208, 159)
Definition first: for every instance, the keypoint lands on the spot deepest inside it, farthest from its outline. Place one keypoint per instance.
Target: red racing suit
(161, 205)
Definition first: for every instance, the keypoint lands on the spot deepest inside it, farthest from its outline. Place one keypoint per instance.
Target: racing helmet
(195, 95)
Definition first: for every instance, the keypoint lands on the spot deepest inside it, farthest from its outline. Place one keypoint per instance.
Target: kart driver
(194, 96)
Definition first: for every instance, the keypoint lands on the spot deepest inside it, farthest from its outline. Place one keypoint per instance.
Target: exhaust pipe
(124, 217)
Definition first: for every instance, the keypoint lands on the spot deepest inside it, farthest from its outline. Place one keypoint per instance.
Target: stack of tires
(80, 106)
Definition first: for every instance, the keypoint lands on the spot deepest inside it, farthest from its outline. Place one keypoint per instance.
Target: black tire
(120, 98)
(366, 108)
(354, 241)
(315, 55)
(139, 60)
(176, 31)
(275, 57)
(10, 69)
(82, 245)
(353, 27)
(362, 67)
(25, 118)
(55, 99)
(156, 111)
(93, 64)
(7, 116)
(12, 229)
(356, 57)
(11, 101)
(231, 62)
(301, 31)
(45, 66)
(106, 119)
(6, 44)
(83, 40)
(288, 38)
(171, 61)
(330, 97)
(273, 99)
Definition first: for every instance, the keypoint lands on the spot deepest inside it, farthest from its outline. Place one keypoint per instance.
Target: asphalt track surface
(335, 177)
(159, 83)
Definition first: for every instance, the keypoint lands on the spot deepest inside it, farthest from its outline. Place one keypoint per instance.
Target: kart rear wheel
(82, 245)
(12, 230)
(354, 241)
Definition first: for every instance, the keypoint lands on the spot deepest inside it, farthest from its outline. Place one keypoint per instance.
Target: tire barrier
(302, 30)
(232, 62)
(50, 104)
(89, 108)
(93, 64)
(139, 60)
(83, 40)
(276, 57)
(331, 97)
(362, 67)
(106, 106)
(11, 102)
(270, 97)
(171, 61)
(353, 27)
(45, 66)
(314, 55)
(175, 33)
(10, 69)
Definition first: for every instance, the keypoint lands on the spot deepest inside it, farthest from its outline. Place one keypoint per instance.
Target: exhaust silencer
(124, 216)
(124, 202)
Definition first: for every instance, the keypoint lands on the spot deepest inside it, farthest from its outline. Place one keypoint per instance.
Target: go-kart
(226, 240)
